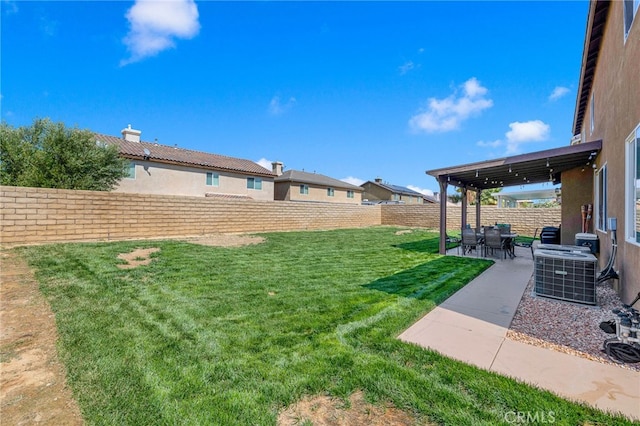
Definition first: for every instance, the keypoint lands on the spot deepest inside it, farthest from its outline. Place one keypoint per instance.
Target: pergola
(535, 167)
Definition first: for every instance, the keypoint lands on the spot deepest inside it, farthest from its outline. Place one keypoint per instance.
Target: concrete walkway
(478, 316)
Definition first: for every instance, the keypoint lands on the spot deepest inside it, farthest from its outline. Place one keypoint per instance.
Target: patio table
(507, 240)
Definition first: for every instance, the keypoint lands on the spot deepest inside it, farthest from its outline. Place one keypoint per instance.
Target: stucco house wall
(319, 193)
(172, 170)
(616, 114)
(169, 179)
(287, 187)
(577, 190)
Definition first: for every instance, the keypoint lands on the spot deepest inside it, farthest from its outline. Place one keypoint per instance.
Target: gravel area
(566, 327)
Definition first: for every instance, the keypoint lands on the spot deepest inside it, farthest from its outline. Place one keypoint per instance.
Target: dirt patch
(33, 383)
(136, 258)
(226, 240)
(326, 411)
(404, 231)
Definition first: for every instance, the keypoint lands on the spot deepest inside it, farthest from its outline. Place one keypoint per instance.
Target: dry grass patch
(327, 411)
(136, 258)
(226, 240)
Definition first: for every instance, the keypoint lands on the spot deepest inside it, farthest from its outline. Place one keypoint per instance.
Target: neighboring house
(608, 109)
(296, 185)
(377, 191)
(170, 170)
(526, 198)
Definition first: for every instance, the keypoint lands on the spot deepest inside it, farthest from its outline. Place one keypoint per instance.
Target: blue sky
(352, 90)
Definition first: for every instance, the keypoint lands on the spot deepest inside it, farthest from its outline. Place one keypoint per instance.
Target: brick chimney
(130, 134)
(277, 167)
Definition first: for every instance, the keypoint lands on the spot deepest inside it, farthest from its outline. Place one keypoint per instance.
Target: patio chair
(493, 241)
(504, 228)
(451, 242)
(527, 244)
(470, 241)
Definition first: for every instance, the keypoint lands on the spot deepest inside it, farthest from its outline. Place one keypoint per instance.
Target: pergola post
(443, 216)
(463, 220)
(478, 221)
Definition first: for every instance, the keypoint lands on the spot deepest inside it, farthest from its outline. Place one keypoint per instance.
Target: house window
(330, 192)
(601, 198)
(630, 10)
(591, 115)
(254, 183)
(132, 170)
(304, 189)
(395, 197)
(632, 184)
(350, 193)
(213, 179)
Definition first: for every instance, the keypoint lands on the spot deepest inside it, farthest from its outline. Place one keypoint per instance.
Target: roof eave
(596, 19)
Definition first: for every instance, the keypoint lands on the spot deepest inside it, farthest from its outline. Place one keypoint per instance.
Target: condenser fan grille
(566, 276)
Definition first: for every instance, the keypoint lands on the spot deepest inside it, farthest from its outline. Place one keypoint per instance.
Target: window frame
(132, 170)
(215, 179)
(351, 193)
(254, 183)
(331, 192)
(632, 187)
(304, 189)
(600, 210)
(629, 13)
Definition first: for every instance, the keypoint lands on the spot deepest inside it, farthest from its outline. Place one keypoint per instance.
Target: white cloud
(10, 7)
(154, 24)
(443, 115)
(493, 144)
(528, 131)
(558, 92)
(276, 107)
(265, 163)
(353, 180)
(421, 190)
(406, 67)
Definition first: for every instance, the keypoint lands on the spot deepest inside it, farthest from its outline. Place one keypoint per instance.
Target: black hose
(621, 352)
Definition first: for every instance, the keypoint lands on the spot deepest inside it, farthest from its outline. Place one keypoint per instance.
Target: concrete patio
(478, 316)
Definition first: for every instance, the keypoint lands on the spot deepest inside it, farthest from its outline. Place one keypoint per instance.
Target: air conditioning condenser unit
(565, 275)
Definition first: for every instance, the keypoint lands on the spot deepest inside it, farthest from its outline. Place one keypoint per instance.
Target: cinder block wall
(523, 221)
(39, 215)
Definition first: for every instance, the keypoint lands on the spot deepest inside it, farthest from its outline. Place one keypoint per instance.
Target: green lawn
(211, 335)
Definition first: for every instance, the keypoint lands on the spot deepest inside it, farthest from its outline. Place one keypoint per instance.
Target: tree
(50, 155)
(486, 197)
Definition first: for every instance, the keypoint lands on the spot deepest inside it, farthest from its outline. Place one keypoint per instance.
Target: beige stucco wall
(373, 192)
(577, 190)
(167, 179)
(290, 191)
(616, 89)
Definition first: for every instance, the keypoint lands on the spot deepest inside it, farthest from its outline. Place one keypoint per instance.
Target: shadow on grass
(429, 245)
(435, 280)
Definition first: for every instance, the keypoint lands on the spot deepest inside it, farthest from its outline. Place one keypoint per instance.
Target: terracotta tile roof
(187, 157)
(315, 179)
